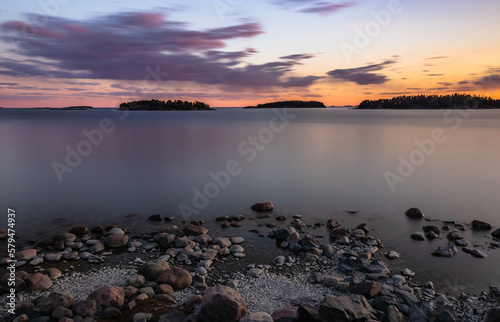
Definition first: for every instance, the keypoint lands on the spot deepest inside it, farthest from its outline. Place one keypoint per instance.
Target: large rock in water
(108, 296)
(222, 304)
(176, 277)
(191, 229)
(414, 213)
(152, 269)
(263, 206)
(346, 308)
(480, 225)
(445, 251)
(496, 233)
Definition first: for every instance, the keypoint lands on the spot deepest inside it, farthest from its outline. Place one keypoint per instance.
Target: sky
(231, 53)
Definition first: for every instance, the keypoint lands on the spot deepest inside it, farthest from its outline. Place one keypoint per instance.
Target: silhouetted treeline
(291, 104)
(455, 101)
(157, 105)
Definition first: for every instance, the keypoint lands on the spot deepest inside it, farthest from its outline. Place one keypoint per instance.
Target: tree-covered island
(158, 105)
(290, 104)
(455, 101)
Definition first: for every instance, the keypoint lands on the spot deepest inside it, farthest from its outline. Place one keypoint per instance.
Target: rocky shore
(181, 272)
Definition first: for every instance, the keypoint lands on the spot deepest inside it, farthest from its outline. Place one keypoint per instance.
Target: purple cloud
(323, 8)
(298, 56)
(319, 7)
(437, 57)
(489, 81)
(127, 46)
(363, 75)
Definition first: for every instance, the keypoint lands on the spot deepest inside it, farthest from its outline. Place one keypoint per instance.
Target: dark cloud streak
(122, 46)
(363, 75)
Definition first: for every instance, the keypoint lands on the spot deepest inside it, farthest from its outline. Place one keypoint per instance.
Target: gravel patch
(80, 285)
(270, 292)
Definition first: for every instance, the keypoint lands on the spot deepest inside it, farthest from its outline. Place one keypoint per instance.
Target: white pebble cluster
(270, 292)
(80, 285)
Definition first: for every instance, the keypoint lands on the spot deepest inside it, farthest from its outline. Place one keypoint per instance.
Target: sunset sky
(231, 53)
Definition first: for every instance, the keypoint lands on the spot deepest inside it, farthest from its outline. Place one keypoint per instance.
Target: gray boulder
(115, 240)
(222, 304)
(152, 269)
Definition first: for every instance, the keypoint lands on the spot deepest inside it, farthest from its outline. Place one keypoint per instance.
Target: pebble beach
(183, 272)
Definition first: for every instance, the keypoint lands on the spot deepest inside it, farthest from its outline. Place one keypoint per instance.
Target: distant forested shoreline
(455, 101)
(290, 104)
(158, 105)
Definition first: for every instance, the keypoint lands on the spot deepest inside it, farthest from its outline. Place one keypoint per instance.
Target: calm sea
(97, 166)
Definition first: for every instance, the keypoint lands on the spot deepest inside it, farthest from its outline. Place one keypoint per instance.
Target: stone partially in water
(263, 206)
(434, 229)
(477, 253)
(453, 235)
(496, 233)
(392, 255)
(418, 235)
(156, 217)
(414, 213)
(445, 251)
(480, 225)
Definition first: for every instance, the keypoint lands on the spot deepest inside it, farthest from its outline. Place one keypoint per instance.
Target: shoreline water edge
(182, 273)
